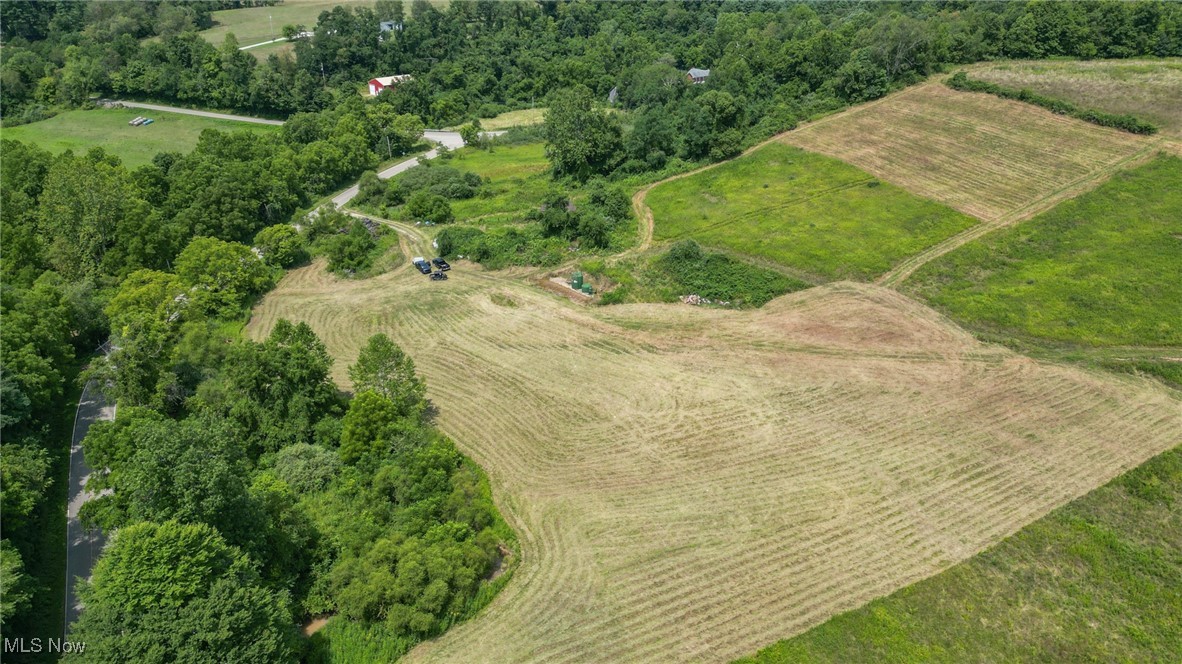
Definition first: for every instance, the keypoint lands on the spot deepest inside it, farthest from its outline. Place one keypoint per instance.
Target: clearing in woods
(1148, 89)
(988, 157)
(520, 118)
(808, 212)
(107, 128)
(252, 25)
(692, 484)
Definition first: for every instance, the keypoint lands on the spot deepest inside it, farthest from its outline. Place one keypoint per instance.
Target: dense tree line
(246, 492)
(159, 261)
(478, 57)
(271, 497)
(1133, 125)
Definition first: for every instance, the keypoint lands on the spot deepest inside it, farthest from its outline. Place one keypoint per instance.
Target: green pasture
(805, 211)
(1102, 269)
(108, 129)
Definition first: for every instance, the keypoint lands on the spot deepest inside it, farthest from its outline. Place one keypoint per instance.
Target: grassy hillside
(107, 128)
(693, 482)
(1147, 89)
(1099, 580)
(1100, 269)
(252, 25)
(806, 211)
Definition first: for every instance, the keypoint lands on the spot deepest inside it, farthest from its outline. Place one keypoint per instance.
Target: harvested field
(1148, 89)
(985, 156)
(692, 484)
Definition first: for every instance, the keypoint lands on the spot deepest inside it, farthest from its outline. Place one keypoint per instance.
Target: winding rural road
(448, 139)
(82, 546)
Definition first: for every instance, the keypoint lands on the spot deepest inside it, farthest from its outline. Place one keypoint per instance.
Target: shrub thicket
(961, 81)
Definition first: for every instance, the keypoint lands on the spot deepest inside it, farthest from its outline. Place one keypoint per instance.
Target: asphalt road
(82, 546)
(449, 139)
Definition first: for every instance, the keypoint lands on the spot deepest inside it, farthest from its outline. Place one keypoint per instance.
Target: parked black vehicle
(423, 265)
(438, 276)
(441, 264)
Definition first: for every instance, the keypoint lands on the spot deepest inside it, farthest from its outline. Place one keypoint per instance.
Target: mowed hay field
(1148, 89)
(692, 484)
(985, 156)
(1098, 580)
(805, 211)
(1102, 269)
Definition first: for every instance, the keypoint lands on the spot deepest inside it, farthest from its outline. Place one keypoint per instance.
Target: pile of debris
(698, 300)
(370, 225)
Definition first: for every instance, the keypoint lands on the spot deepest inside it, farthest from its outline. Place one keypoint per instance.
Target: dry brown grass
(692, 484)
(979, 154)
(1148, 89)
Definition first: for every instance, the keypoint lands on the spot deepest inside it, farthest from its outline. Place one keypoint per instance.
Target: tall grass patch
(687, 269)
(1100, 269)
(517, 179)
(802, 210)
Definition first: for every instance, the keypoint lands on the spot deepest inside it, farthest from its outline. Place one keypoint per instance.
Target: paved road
(82, 546)
(189, 111)
(449, 139)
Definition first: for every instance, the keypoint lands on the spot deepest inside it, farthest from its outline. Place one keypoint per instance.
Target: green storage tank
(576, 280)
(588, 289)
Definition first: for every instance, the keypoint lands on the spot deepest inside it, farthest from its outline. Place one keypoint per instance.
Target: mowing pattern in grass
(1100, 269)
(692, 484)
(1149, 89)
(806, 211)
(107, 128)
(1099, 580)
(518, 182)
(982, 155)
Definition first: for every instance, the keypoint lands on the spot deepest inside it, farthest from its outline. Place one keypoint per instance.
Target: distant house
(376, 85)
(387, 26)
(613, 96)
(696, 75)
